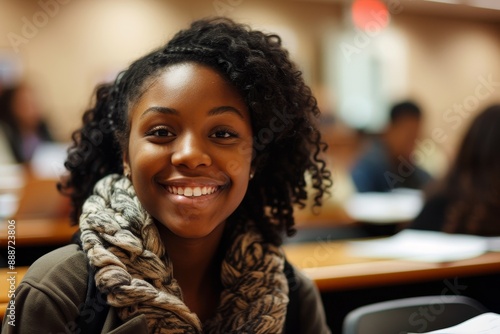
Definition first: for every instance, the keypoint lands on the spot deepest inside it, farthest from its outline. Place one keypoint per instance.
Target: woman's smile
(192, 198)
(195, 191)
(193, 186)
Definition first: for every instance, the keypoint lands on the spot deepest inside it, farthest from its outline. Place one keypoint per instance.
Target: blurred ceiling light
(490, 4)
(370, 14)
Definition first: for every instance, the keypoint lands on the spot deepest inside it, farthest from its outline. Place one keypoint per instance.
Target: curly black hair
(286, 146)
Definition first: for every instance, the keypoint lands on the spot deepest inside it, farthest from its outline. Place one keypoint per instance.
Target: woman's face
(190, 149)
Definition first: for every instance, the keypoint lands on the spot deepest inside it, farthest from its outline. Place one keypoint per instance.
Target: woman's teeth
(191, 191)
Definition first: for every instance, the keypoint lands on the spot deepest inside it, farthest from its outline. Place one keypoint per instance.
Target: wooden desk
(36, 232)
(330, 266)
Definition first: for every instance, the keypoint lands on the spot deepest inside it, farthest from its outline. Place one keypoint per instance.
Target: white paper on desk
(428, 246)
(486, 323)
(493, 244)
(399, 205)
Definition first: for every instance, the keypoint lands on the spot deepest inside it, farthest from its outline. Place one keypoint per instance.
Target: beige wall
(448, 62)
(85, 42)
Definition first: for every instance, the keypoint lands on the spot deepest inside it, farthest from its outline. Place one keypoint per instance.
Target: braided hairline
(187, 50)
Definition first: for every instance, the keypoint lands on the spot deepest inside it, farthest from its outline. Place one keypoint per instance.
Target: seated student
(183, 205)
(21, 122)
(467, 200)
(386, 164)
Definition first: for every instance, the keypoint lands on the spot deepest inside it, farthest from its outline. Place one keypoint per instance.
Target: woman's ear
(126, 166)
(252, 172)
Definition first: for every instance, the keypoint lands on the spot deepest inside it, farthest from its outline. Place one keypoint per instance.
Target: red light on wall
(371, 15)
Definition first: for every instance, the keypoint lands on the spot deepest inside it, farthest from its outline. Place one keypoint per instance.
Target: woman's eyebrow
(224, 109)
(211, 112)
(161, 110)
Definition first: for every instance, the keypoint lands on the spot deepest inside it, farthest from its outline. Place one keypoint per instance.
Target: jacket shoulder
(51, 293)
(61, 275)
(59, 261)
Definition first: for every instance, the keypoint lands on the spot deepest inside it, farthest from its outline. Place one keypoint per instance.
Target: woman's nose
(190, 152)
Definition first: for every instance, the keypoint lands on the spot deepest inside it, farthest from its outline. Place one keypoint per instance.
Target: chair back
(414, 315)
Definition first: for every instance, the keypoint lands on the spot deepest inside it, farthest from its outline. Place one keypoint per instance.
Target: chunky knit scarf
(133, 269)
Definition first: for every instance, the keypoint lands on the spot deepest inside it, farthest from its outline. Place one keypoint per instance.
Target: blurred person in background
(387, 163)
(467, 199)
(21, 122)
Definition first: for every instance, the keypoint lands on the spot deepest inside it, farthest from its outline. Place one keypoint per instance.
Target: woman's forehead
(189, 85)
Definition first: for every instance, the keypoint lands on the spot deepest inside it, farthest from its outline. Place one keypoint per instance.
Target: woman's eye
(224, 134)
(160, 132)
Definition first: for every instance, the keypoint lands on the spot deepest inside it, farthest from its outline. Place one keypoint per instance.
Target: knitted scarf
(133, 269)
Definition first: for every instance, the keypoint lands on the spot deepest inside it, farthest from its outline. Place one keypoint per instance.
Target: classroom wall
(81, 43)
(454, 70)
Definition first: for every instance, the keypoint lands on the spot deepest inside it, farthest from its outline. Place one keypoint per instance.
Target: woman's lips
(192, 196)
(193, 191)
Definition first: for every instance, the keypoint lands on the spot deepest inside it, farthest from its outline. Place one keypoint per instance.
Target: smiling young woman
(184, 200)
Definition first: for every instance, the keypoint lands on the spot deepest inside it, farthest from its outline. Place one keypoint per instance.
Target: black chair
(414, 315)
